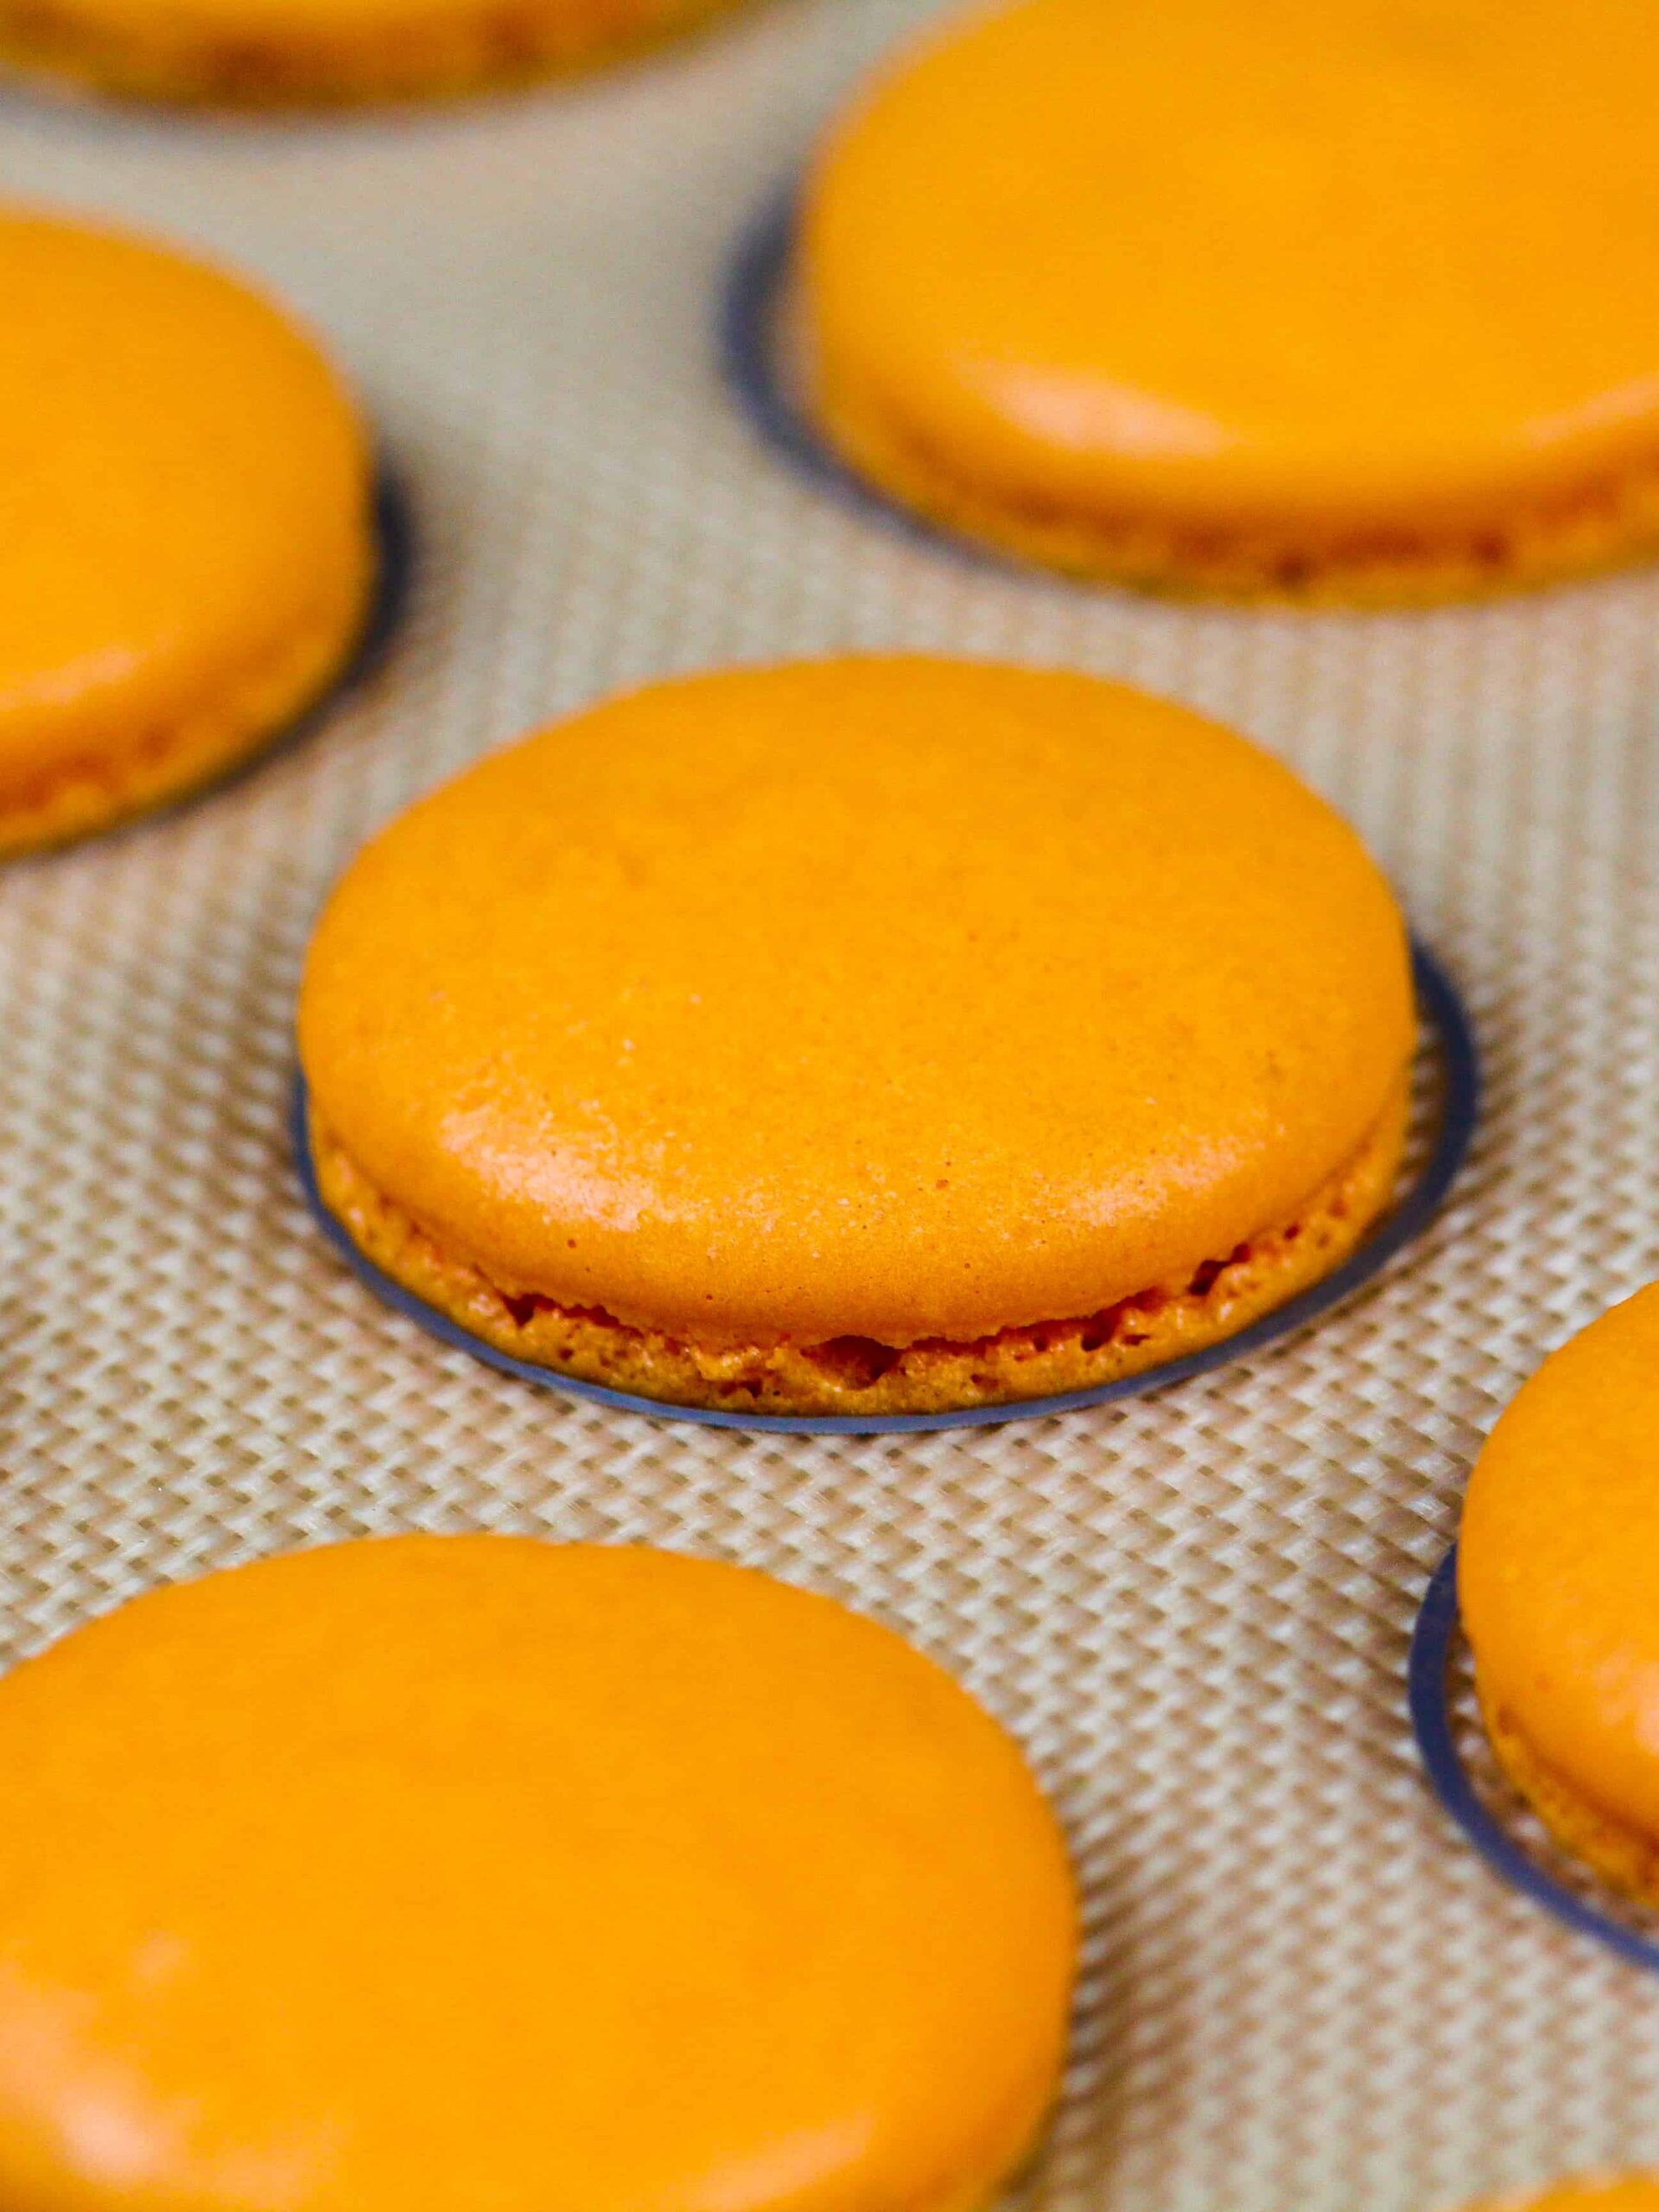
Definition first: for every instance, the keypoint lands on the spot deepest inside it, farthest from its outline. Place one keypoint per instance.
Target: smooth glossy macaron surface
(444, 1871)
(1365, 262)
(905, 997)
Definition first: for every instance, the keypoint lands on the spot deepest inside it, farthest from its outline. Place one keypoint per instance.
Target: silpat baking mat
(1303, 1990)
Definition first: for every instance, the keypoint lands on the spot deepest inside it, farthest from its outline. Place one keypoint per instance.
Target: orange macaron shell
(1621, 2192)
(438, 1871)
(898, 997)
(186, 550)
(1559, 1562)
(1246, 295)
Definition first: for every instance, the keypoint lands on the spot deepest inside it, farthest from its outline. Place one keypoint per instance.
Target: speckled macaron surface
(1344, 299)
(871, 1033)
(438, 1872)
(186, 543)
(1559, 1568)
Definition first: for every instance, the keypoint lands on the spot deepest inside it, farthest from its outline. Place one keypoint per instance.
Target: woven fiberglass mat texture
(1302, 1989)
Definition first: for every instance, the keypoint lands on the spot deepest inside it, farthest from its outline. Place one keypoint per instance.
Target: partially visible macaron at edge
(1327, 301)
(1603, 2192)
(275, 53)
(1558, 1583)
(187, 538)
(433, 1872)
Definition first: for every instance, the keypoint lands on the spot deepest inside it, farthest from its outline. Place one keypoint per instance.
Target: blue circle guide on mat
(1442, 1010)
(395, 538)
(1431, 1644)
(749, 360)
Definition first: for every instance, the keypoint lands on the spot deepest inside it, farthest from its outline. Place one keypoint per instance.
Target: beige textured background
(1304, 1993)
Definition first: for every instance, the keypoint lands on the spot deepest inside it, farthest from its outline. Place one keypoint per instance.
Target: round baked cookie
(1332, 299)
(861, 1036)
(1558, 1583)
(433, 1873)
(323, 53)
(186, 535)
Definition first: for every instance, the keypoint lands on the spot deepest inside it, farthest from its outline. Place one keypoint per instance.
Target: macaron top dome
(1364, 263)
(432, 1872)
(900, 997)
